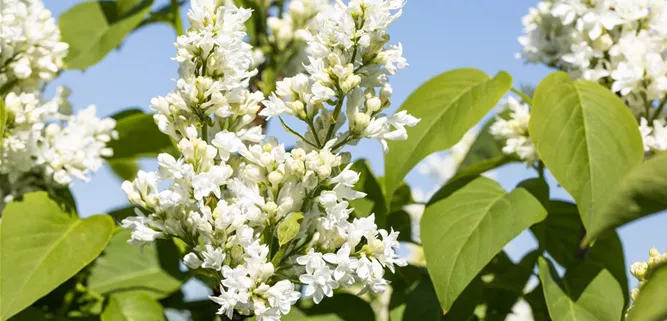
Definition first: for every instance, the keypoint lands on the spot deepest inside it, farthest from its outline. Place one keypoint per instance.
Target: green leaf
(643, 191)
(586, 293)
(650, 306)
(422, 304)
(289, 228)
(538, 187)
(125, 6)
(402, 196)
(502, 293)
(106, 25)
(295, 315)
(126, 169)
(126, 267)
(560, 234)
(29, 314)
(120, 214)
(401, 222)
(448, 106)
(41, 246)
(538, 304)
(587, 137)
(464, 231)
(344, 307)
(132, 306)
(369, 184)
(138, 137)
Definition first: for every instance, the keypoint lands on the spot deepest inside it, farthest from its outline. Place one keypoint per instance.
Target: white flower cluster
(30, 48)
(618, 43)
(299, 16)
(348, 59)
(44, 146)
(231, 190)
(642, 270)
(654, 137)
(515, 131)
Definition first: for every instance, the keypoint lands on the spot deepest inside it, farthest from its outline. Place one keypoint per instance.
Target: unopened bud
(360, 122)
(297, 108)
(270, 208)
(374, 104)
(385, 93)
(603, 43)
(653, 252)
(324, 171)
(275, 177)
(350, 83)
(639, 270)
(334, 60)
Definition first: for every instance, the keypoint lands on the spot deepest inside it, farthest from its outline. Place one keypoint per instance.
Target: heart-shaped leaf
(642, 192)
(105, 26)
(126, 267)
(587, 137)
(132, 306)
(560, 234)
(448, 106)
(463, 232)
(588, 292)
(41, 246)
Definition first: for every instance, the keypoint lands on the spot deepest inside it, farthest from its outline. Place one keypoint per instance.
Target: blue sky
(437, 35)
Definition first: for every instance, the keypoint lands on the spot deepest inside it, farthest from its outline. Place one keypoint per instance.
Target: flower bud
(639, 270)
(296, 108)
(252, 171)
(374, 104)
(360, 122)
(653, 252)
(275, 177)
(270, 208)
(334, 59)
(634, 294)
(603, 43)
(350, 83)
(328, 199)
(385, 93)
(192, 260)
(324, 171)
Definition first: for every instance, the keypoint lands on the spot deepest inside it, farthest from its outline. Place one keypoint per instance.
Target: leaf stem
(317, 137)
(334, 118)
(293, 132)
(523, 96)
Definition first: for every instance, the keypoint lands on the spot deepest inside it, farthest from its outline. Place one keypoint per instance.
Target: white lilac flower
(620, 44)
(654, 137)
(31, 52)
(44, 146)
(515, 131)
(319, 283)
(230, 187)
(54, 148)
(642, 271)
